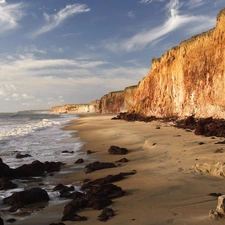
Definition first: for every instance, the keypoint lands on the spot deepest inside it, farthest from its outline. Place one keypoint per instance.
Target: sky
(57, 52)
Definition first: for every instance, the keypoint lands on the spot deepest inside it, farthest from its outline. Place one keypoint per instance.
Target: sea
(39, 134)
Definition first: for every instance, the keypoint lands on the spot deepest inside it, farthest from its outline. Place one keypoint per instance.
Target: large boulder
(36, 168)
(22, 198)
(115, 150)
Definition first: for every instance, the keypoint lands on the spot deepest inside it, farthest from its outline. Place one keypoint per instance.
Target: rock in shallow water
(22, 198)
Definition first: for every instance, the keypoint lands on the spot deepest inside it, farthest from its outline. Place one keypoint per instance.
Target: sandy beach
(165, 190)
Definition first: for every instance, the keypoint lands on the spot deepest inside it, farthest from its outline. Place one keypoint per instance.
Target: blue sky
(55, 52)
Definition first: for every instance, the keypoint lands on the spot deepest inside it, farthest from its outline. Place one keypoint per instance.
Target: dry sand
(165, 189)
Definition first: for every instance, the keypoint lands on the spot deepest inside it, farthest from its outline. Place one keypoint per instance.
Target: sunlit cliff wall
(188, 79)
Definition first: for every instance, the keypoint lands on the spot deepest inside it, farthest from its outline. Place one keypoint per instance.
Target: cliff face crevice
(188, 79)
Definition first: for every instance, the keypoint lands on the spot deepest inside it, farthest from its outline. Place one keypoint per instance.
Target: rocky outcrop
(93, 107)
(188, 79)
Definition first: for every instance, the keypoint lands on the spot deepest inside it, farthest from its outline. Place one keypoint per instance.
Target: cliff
(93, 107)
(188, 79)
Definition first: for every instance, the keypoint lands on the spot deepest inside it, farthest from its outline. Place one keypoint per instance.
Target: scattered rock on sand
(123, 160)
(220, 209)
(74, 217)
(214, 168)
(115, 150)
(106, 213)
(98, 166)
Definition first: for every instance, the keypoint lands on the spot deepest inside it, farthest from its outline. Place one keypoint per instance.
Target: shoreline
(165, 189)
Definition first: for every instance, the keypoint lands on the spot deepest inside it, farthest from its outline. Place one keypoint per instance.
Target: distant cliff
(188, 79)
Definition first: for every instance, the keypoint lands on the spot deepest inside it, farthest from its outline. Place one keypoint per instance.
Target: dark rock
(22, 198)
(89, 152)
(79, 161)
(3, 167)
(115, 150)
(20, 156)
(60, 223)
(1, 221)
(215, 194)
(123, 160)
(106, 213)
(219, 150)
(6, 184)
(98, 166)
(36, 168)
(75, 205)
(52, 166)
(98, 203)
(66, 151)
(73, 217)
(106, 180)
(11, 220)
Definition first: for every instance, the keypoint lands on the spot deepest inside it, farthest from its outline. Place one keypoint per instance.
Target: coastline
(165, 189)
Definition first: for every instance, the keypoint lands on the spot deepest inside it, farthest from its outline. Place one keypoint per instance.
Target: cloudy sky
(54, 52)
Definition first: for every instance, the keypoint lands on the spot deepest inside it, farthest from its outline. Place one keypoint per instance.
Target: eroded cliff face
(93, 107)
(120, 101)
(188, 79)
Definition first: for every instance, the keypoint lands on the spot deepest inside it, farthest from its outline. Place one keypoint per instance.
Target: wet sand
(165, 189)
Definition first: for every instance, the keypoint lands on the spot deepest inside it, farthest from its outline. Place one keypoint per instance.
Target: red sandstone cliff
(188, 79)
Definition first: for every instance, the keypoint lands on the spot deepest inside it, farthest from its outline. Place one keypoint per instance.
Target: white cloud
(130, 14)
(10, 15)
(150, 1)
(196, 3)
(174, 21)
(51, 82)
(55, 20)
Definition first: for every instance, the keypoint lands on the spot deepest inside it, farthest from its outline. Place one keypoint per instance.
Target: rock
(73, 217)
(22, 198)
(1, 221)
(106, 213)
(115, 150)
(20, 156)
(52, 166)
(89, 152)
(214, 168)
(106, 180)
(6, 184)
(79, 161)
(3, 167)
(11, 220)
(36, 168)
(123, 160)
(60, 223)
(220, 209)
(75, 205)
(97, 202)
(98, 166)
(66, 151)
